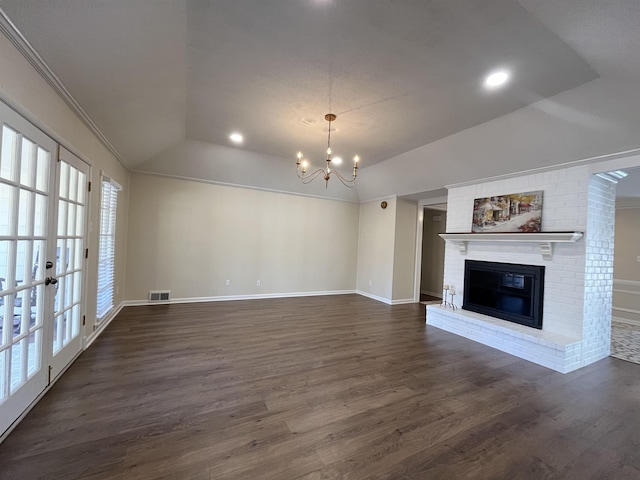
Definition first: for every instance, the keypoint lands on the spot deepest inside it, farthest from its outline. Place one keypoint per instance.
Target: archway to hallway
(625, 318)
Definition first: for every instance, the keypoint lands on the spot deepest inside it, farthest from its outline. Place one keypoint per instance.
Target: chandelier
(302, 165)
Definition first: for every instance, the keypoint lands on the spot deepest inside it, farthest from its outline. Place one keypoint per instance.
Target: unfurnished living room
(319, 239)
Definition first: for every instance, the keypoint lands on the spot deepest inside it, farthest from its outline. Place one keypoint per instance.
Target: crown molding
(237, 185)
(550, 168)
(8, 28)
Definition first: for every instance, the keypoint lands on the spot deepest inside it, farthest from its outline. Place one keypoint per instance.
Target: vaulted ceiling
(166, 82)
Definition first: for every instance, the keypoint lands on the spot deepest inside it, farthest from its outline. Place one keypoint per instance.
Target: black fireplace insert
(508, 291)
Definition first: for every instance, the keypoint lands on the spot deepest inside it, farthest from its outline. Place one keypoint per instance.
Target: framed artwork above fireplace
(515, 212)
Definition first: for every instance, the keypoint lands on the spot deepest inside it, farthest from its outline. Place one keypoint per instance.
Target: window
(107, 245)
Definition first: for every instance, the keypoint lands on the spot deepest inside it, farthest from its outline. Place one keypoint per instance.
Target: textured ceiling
(398, 74)
(167, 81)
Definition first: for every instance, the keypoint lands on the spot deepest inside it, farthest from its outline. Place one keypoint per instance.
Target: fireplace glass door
(507, 291)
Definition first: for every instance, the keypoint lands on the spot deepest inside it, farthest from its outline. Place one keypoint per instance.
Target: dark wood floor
(320, 388)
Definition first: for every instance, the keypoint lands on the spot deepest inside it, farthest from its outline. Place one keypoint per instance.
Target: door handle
(50, 280)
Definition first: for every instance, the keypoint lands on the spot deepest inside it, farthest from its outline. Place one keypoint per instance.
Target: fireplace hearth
(508, 291)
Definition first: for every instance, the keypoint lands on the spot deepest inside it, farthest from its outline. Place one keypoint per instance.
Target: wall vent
(159, 295)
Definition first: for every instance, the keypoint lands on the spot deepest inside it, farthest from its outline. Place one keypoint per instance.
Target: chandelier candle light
(302, 164)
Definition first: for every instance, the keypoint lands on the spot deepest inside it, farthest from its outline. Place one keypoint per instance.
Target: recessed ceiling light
(236, 137)
(337, 160)
(497, 79)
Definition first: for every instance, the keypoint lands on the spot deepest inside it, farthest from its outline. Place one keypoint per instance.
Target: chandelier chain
(302, 164)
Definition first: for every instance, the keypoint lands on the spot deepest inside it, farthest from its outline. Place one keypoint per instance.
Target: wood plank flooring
(339, 387)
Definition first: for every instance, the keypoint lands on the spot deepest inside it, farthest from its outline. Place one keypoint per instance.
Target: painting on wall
(516, 212)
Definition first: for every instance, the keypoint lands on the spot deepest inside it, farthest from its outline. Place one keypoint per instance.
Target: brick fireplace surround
(576, 326)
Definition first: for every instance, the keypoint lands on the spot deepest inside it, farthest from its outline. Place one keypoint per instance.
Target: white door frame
(17, 115)
(67, 353)
(33, 385)
(422, 204)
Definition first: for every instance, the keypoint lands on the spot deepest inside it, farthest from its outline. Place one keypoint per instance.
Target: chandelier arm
(310, 177)
(347, 183)
(326, 173)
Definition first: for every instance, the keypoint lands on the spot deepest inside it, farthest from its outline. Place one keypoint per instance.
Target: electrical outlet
(228, 282)
(370, 283)
(118, 286)
(258, 283)
(638, 258)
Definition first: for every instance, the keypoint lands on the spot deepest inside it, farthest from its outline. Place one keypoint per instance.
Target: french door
(71, 206)
(42, 239)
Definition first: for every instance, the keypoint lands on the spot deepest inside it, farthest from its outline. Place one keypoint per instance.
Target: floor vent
(159, 295)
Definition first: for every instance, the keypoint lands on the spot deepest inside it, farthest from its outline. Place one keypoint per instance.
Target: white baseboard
(628, 283)
(375, 297)
(626, 292)
(628, 321)
(228, 298)
(402, 301)
(99, 328)
(626, 310)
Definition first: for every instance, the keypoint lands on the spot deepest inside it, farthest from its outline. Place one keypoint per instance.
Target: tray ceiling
(167, 81)
(398, 74)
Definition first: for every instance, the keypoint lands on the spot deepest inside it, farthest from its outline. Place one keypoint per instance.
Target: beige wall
(191, 237)
(386, 250)
(432, 270)
(627, 249)
(626, 268)
(404, 251)
(25, 90)
(376, 249)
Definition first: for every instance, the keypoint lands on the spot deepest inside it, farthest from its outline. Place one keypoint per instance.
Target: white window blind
(107, 245)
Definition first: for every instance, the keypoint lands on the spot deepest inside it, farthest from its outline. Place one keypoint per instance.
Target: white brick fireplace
(578, 276)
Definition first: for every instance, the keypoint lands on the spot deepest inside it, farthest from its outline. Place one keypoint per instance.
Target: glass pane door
(26, 160)
(71, 202)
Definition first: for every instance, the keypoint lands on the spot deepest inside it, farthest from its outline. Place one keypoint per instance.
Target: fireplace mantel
(545, 240)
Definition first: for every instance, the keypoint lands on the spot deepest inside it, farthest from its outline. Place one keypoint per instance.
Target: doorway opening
(625, 318)
(430, 265)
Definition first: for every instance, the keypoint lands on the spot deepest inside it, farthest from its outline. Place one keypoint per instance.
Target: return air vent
(159, 295)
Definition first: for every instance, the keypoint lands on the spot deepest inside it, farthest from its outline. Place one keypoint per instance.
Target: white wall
(386, 250)
(191, 237)
(26, 91)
